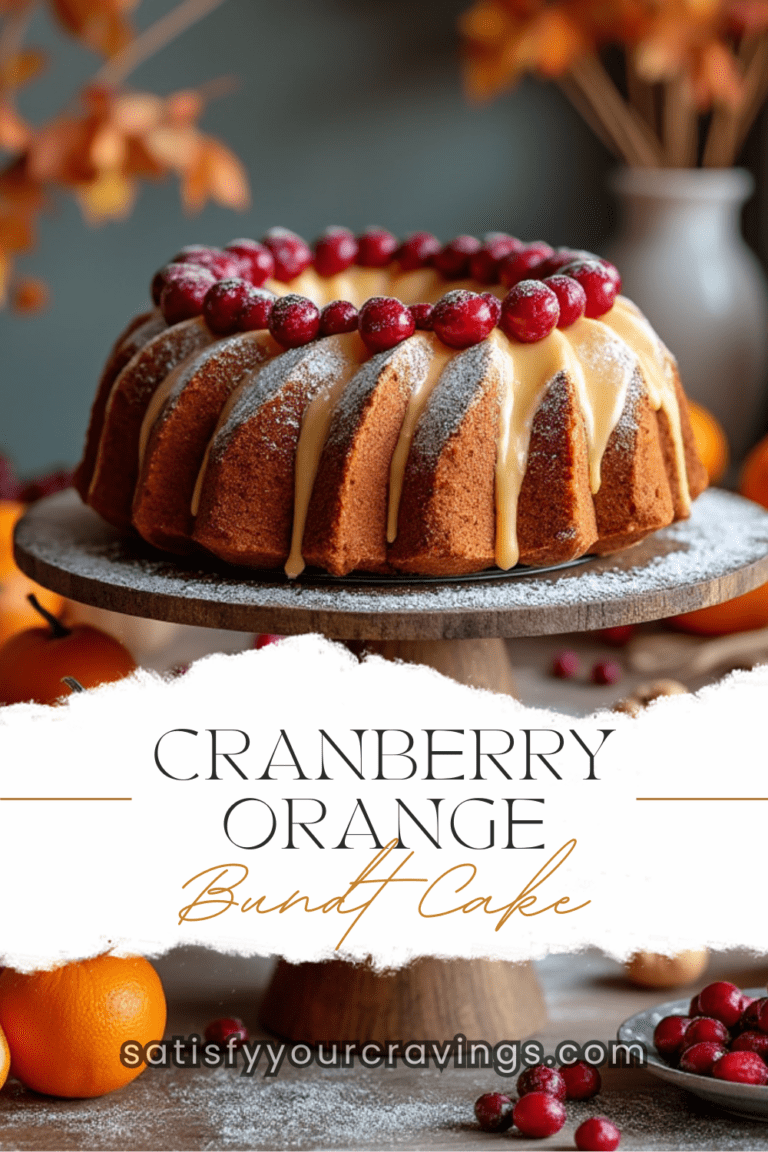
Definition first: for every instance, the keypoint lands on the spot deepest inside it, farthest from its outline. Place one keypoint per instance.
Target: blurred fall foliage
(109, 138)
(682, 58)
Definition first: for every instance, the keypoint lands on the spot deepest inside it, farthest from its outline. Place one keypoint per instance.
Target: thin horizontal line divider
(66, 798)
(718, 798)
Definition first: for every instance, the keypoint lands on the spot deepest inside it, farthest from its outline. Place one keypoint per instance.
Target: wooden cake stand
(456, 626)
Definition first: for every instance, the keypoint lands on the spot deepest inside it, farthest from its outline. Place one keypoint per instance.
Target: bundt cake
(389, 407)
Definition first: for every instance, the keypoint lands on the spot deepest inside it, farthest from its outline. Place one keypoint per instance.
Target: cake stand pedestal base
(428, 1000)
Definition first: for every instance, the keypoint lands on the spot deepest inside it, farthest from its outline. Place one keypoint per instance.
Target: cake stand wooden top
(721, 552)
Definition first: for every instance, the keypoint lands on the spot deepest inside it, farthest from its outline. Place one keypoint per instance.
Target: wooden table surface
(371, 1109)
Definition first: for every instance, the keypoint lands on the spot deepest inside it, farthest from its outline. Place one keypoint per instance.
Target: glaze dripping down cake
(390, 407)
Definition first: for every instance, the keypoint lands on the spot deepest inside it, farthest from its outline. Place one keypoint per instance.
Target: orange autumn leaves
(692, 40)
(103, 145)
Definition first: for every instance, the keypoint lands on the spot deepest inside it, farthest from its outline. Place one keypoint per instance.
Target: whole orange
(16, 612)
(754, 475)
(711, 441)
(65, 1027)
(739, 615)
(10, 512)
(33, 662)
(5, 1058)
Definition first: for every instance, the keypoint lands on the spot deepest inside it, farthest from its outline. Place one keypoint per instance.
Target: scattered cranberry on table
(493, 1112)
(539, 1114)
(620, 635)
(582, 1080)
(566, 665)
(264, 639)
(598, 1134)
(229, 1030)
(540, 1078)
(606, 672)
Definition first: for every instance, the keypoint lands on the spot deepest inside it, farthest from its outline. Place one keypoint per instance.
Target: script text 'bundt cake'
(390, 407)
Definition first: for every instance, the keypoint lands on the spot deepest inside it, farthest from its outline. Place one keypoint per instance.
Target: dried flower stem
(642, 95)
(621, 123)
(730, 126)
(680, 124)
(167, 28)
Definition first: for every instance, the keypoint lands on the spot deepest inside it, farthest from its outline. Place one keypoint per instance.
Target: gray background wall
(349, 112)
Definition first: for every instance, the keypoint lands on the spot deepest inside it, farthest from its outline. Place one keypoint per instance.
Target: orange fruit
(33, 662)
(711, 441)
(10, 512)
(65, 1027)
(5, 1058)
(16, 612)
(754, 475)
(739, 615)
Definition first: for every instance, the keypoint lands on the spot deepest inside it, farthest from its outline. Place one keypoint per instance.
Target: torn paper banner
(296, 801)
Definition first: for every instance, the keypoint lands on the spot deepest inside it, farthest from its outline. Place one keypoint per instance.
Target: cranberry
(566, 665)
(161, 278)
(452, 261)
(337, 317)
(605, 672)
(598, 283)
(222, 264)
(669, 1035)
(517, 266)
(375, 248)
(484, 264)
(221, 1032)
(258, 263)
(335, 250)
(570, 296)
(721, 1000)
(422, 315)
(417, 250)
(695, 1007)
(752, 1041)
(598, 1134)
(700, 1058)
(762, 1014)
(294, 321)
(256, 309)
(557, 260)
(750, 1015)
(290, 253)
(741, 1067)
(463, 318)
(707, 1028)
(385, 322)
(619, 636)
(493, 303)
(264, 639)
(538, 1114)
(529, 311)
(493, 1112)
(582, 1080)
(540, 1078)
(225, 303)
(183, 294)
(44, 485)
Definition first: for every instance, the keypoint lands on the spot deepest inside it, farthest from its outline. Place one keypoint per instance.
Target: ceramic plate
(745, 1099)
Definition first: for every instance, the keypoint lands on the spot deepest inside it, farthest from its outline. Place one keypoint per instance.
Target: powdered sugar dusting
(460, 386)
(410, 359)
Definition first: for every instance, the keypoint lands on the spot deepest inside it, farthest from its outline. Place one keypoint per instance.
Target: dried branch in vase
(683, 60)
(109, 139)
